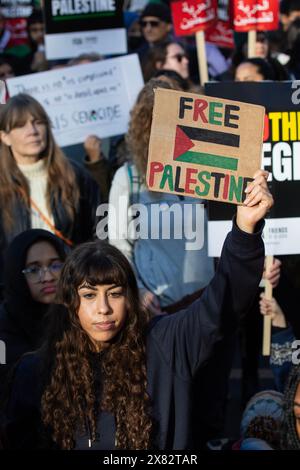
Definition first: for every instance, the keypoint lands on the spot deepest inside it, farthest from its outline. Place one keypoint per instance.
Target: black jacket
(177, 346)
(81, 230)
(288, 297)
(22, 320)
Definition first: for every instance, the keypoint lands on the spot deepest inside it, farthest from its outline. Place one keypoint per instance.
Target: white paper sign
(68, 45)
(281, 236)
(85, 99)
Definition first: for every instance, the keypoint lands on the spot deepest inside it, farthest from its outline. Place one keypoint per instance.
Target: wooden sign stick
(201, 53)
(267, 319)
(251, 43)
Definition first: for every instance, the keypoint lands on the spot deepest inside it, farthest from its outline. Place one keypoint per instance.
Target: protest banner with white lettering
(221, 32)
(191, 16)
(74, 27)
(280, 156)
(16, 8)
(203, 147)
(93, 98)
(194, 17)
(259, 15)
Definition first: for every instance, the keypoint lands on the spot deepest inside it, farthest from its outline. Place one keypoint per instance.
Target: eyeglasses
(179, 57)
(36, 273)
(152, 23)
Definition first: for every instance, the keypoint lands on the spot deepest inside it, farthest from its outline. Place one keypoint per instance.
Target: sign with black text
(81, 100)
(74, 28)
(198, 146)
(280, 156)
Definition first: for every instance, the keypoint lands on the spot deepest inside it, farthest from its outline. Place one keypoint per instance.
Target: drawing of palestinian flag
(188, 138)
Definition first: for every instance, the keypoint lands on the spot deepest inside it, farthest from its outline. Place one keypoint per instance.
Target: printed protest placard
(93, 98)
(203, 147)
(260, 15)
(280, 156)
(191, 16)
(16, 8)
(74, 28)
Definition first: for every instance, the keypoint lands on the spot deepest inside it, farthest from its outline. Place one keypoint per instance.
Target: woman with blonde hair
(39, 186)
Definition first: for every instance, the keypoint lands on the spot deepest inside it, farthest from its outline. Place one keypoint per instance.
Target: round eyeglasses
(36, 273)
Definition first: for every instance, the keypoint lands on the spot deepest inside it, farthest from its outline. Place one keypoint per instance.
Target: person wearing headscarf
(31, 270)
(262, 421)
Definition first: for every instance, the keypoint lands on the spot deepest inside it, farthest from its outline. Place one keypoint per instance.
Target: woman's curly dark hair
(289, 437)
(69, 404)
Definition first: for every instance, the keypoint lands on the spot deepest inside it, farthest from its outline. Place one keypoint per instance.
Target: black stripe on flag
(213, 137)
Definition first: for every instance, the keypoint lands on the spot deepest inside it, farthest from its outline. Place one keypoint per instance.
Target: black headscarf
(18, 302)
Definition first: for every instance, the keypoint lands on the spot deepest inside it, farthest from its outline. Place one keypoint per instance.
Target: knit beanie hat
(157, 11)
(263, 416)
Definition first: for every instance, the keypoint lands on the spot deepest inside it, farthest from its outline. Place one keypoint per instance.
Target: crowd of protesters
(129, 343)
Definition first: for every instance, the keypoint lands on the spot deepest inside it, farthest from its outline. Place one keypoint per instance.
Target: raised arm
(186, 339)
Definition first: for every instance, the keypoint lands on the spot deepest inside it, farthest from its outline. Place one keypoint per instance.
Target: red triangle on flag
(182, 143)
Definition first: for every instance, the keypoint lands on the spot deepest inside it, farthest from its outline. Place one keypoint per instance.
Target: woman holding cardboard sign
(109, 379)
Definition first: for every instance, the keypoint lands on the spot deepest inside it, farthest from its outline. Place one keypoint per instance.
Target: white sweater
(37, 176)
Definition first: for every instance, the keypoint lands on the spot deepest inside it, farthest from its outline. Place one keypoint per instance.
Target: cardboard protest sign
(203, 147)
(16, 8)
(260, 15)
(280, 156)
(84, 27)
(93, 98)
(191, 16)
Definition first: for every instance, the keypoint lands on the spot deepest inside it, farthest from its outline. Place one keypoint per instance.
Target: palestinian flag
(188, 138)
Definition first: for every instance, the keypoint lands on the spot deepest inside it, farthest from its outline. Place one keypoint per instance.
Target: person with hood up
(31, 270)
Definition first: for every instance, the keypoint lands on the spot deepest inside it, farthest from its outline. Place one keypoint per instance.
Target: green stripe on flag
(209, 159)
(83, 16)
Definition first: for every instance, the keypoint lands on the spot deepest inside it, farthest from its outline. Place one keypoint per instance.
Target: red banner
(18, 29)
(220, 34)
(260, 15)
(191, 16)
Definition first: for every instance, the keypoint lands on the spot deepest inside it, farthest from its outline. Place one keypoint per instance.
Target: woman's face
(102, 312)
(297, 410)
(247, 72)
(37, 32)
(261, 49)
(27, 142)
(6, 71)
(42, 269)
(177, 60)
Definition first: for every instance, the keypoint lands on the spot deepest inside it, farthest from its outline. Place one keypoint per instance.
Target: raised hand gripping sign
(260, 15)
(191, 16)
(203, 147)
